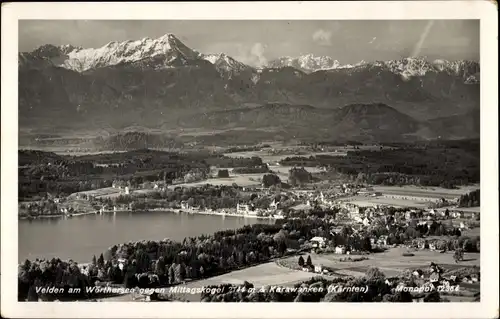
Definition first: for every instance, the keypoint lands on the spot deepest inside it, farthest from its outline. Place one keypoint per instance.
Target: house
(474, 277)
(408, 215)
(318, 268)
(422, 244)
(318, 242)
(273, 205)
(382, 241)
(366, 221)
(418, 273)
(242, 208)
(435, 277)
(340, 250)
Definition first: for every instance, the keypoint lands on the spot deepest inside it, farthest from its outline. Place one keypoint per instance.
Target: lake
(81, 237)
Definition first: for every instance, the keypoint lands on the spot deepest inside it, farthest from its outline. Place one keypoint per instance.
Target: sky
(257, 42)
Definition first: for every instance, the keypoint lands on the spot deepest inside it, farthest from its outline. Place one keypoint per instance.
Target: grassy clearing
(101, 192)
(240, 180)
(374, 201)
(392, 261)
(261, 275)
(430, 192)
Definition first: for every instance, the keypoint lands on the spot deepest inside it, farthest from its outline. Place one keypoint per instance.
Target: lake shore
(176, 211)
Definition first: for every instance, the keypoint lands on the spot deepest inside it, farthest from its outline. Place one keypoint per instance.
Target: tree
(301, 261)
(171, 274)
(32, 295)
(269, 180)
(100, 261)
(366, 244)
(180, 272)
(94, 260)
(223, 173)
(309, 261)
(299, 176)
(143, 261)
(374, 273)
(160, 269)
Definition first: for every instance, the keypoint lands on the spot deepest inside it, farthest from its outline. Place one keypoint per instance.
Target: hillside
(162, 83)
(361, 122)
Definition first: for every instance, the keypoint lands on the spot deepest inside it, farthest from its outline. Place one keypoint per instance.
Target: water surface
(81, 237)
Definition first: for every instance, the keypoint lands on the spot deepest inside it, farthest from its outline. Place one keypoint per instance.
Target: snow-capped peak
(225, 64)
(113, 53)
(307, 63)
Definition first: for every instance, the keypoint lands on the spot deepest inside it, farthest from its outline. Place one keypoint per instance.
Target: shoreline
(175, 211)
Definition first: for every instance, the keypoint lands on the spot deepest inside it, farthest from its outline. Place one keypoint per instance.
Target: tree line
(445, 165)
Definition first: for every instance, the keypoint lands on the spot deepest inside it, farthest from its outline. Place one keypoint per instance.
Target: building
(340, 250)
(318, 268)
(273, 205)
(318, 242)
(366, 221)
(185, 205)
(382, 240)
(243, 208)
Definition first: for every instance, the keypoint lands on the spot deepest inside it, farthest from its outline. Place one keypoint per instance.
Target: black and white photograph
(229, 160)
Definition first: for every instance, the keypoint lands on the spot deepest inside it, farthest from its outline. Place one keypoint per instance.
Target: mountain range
(162, 83)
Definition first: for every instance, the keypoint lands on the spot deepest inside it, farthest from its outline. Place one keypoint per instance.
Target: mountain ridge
(82, 59)
(160, 82)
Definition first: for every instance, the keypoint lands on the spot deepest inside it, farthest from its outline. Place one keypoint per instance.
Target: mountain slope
(363, 122)
(163, 83)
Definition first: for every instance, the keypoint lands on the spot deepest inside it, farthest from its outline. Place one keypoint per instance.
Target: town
(414, 238)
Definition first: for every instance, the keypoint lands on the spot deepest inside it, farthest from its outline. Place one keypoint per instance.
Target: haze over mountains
(162, 83)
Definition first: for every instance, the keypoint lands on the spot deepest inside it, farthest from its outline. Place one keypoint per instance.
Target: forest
(472, 199)
(166, 262)
(444, 164)
(44, 172)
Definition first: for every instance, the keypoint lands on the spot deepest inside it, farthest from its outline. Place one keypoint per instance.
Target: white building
(273, 205)
(366, 221)
(242, 208)
(318, 242)
(340, 250)
(318, 268)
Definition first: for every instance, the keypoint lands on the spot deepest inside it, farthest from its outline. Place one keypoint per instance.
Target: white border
(483, 10)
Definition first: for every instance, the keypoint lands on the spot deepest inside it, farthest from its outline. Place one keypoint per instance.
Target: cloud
(257, 51)
(253, 54)
(322, 37)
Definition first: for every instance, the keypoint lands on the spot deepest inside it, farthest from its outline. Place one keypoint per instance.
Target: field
(367, 201)
(409, 196)
(261, 275)
(101, 192)
(391, 262)
(429, 192)
(240, 179)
